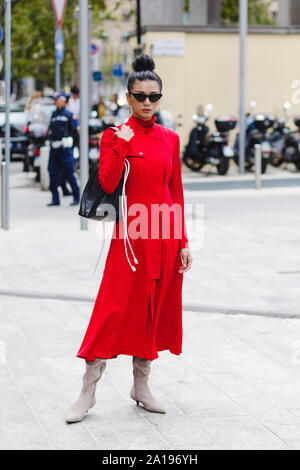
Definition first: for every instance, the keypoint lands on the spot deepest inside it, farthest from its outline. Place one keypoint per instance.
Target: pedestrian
(73, 106)
(74, 102)
(115, 107)
(100, 107)
(33, 110)
(138, 309)
(61, 161)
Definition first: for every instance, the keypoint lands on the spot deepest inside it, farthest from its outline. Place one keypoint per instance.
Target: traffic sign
(1, 33)
(94, 48)
(117, 70)
(59, 46)
(97, 76)
(59, 7)
(96, 54)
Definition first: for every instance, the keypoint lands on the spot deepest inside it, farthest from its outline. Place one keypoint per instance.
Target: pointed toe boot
(140, 391)
(87, 399)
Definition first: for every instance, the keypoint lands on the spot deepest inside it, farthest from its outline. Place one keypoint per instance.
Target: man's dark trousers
(61, 167)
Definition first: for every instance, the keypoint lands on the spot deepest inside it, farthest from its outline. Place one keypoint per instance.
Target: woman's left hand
(186, 258)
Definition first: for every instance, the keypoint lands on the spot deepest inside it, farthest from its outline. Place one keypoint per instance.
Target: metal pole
(57, 75)
(139, 49)
(243, 37)
(138, 21)
(2, 183)
(7, 110)
(90, 27)
(3, 186)
(257, 166)
(84, 97)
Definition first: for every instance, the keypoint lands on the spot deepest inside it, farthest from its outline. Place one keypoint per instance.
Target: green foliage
(33, 33)
(258, 12)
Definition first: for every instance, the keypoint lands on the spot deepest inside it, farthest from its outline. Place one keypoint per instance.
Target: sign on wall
(173, 47)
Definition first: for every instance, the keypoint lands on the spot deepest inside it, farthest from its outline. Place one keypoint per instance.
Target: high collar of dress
(141, 124)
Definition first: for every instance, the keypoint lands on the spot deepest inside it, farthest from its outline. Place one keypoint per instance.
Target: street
(235, 385)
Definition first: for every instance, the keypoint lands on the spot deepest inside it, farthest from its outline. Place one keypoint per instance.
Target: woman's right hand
(125, 132)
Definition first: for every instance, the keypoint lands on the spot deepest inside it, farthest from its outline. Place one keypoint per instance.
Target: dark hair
(75, 90)
(143, 67)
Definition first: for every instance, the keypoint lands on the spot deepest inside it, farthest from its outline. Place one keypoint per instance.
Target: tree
(33, 32)
(258, 12)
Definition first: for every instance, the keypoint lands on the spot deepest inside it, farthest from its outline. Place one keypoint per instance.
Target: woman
(138, 310)
(33, 108)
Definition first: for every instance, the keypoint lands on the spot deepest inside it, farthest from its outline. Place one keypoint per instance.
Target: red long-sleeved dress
(138, 309)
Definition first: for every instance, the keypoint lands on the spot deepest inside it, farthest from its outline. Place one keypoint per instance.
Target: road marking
(192, 308)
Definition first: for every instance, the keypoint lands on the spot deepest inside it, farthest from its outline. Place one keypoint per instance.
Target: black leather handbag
(96, 204)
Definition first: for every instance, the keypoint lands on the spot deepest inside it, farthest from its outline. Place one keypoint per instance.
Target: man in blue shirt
(61, 161)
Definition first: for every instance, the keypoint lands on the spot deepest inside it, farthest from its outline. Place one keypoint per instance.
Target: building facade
(288, 12)
(198, 59)
(178, 12)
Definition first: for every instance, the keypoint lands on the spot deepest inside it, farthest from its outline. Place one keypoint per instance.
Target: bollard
(257, 166)
(3, 163)
(43, 164)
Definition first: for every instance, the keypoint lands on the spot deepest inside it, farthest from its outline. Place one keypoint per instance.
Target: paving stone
(236, 384)
(240, 433)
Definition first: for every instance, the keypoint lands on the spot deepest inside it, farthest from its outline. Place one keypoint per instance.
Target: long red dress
(138, 309)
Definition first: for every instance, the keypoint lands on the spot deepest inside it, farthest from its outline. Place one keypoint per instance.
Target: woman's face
(146, 109)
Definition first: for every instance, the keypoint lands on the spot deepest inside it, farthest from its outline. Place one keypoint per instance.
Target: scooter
(95, 128)
(291, 147)
(37, 136)
(277, 140)
(203, 148)
(256, 133)
(278, 137)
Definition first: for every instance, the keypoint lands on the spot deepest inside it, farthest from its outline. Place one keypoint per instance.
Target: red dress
(138, 309)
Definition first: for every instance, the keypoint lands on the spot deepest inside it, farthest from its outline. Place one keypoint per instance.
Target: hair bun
(143, 63)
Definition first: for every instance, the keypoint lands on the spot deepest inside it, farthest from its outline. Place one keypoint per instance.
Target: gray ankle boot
(87, 399)
(140, 391)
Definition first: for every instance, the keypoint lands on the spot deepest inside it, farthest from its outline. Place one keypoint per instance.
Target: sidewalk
(236, 384)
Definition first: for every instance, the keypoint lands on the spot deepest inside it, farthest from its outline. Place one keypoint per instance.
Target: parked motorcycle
(256, 133)
(95, 128)
(291, 148)
(37, 136)
(278, 139)
(203, 148)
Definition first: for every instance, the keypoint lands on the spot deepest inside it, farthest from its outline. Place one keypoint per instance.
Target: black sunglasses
(142, 96)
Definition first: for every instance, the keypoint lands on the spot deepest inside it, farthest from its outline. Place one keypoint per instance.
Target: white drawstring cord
(100, 254)
(124, 217)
